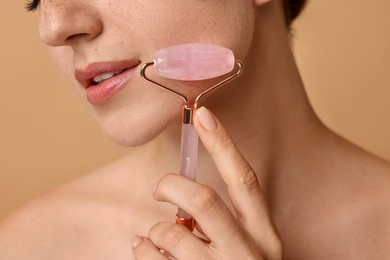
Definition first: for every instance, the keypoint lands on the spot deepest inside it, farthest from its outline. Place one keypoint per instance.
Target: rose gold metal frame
(189, 108)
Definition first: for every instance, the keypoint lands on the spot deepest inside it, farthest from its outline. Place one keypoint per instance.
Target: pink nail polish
(207, 119)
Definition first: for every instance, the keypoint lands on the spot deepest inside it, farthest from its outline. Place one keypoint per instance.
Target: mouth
(104, 80)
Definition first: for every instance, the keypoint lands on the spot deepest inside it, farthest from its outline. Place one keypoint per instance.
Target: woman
(320, 197)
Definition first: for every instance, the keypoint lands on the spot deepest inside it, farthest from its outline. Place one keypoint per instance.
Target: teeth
(102, 77)
(99, 79)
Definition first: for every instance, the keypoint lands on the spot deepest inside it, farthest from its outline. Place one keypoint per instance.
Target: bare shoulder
(361, 202)
(369, 227)
(44, 229)
(374, 220)
(359, 210)
(345, 213)
(72, 222)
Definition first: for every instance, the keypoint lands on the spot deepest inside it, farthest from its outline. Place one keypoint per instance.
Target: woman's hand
(250, 235)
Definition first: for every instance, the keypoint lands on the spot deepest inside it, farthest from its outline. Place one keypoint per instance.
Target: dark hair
(292, 8)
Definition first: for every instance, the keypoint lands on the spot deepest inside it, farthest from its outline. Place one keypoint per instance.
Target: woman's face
(91, 38)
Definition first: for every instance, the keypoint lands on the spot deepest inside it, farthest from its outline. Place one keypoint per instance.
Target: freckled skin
(105, 31)
(311, 179)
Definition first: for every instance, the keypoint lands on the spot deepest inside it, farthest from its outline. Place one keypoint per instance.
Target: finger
(144, 249)
(178, 241)
(243, 186)
(204, 204)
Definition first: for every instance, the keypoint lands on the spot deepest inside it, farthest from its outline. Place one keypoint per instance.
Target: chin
(137, 128)
(131, 136)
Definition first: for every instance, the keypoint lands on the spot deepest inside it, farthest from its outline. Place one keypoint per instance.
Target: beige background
(48, 137)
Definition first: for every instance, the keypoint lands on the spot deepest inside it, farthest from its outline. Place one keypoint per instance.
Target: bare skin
(327, 197)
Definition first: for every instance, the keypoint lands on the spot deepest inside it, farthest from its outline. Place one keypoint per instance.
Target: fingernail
(136, 241)
(207, 119)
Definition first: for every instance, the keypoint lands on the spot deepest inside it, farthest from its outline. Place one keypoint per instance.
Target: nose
(68, 22)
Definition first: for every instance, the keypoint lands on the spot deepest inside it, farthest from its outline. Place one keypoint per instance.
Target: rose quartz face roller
(192, 62)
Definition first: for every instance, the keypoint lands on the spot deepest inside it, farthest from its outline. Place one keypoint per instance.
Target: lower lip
(103, 92)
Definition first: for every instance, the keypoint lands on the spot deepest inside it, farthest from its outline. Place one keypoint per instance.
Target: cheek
(63, 58)
(226, 23)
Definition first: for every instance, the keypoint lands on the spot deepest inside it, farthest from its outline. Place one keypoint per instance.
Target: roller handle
(189, 156)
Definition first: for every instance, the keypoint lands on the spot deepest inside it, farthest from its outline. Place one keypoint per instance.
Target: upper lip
(85, 75)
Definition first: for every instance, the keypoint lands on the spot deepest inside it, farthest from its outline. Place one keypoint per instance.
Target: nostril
(78, 36)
